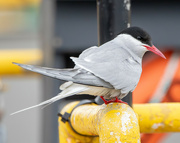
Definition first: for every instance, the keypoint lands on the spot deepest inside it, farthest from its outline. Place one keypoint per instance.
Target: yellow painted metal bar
(158, 117)
(26, 56)
(67, 135)
(107, 122)
(12, 4)
(114, 123)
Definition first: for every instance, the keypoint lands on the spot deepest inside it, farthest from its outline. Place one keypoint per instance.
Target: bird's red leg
(120, 101)
(116, 100)
(106, 102)
(110, 101)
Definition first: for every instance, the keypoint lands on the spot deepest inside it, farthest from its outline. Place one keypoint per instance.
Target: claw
(112, 100)
(120, 101)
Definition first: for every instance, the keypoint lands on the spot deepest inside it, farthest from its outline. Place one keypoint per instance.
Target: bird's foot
(120, 101)
(112, 100)
(105, 101)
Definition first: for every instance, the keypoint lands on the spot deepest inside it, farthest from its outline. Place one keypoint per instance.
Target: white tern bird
(110, 71)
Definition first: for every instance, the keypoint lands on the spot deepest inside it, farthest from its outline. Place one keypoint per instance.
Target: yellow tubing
(158, 117)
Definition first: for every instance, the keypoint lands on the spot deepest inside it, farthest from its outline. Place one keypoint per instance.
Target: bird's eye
(139, 37)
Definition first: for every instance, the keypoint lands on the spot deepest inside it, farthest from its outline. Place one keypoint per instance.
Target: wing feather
(113, 64)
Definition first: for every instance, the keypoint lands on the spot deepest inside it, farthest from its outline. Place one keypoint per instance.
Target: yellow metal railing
(26, 56)
(112, 123)
(117, 123)
(158, 117)
(14, 4)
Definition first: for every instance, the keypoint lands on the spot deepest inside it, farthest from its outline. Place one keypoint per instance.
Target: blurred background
(47, 32)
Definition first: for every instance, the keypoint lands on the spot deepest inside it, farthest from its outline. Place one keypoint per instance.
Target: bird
(110, 71)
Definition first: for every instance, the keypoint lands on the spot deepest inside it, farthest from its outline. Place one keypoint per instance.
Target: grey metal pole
(49, 122)
(113, 16)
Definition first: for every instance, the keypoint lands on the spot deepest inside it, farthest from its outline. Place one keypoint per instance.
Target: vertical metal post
(49, 134)
(113, 16)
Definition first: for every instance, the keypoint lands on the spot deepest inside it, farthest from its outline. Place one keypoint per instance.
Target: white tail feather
(71, 90)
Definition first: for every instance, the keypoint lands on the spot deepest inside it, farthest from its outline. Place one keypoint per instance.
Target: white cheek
(144, 48)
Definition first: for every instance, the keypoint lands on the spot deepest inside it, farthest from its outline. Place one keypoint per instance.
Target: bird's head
(139, 40)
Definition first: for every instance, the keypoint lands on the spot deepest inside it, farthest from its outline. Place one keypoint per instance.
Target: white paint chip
(157, 125)
(125, 121)
(123, 106)
(118, 139)
(127, 4)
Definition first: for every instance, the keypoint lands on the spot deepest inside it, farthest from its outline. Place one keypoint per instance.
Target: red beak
(155, 50)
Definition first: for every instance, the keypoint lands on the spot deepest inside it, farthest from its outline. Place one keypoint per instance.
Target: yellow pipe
(12, 4)
(158, 117)
(26, 56)
(98, 120)
(115, 123)
(67, 135)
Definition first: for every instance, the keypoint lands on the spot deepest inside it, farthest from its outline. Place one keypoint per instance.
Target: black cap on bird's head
(143, 37)
(138, 34)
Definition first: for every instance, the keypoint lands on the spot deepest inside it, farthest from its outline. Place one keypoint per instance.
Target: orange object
(155, 76)
(151, 75)
(152, 138)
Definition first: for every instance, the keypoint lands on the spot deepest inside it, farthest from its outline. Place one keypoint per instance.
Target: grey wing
(123, 76)
(87, 52)
(105, 53)
(113, 64)
(75, 75)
